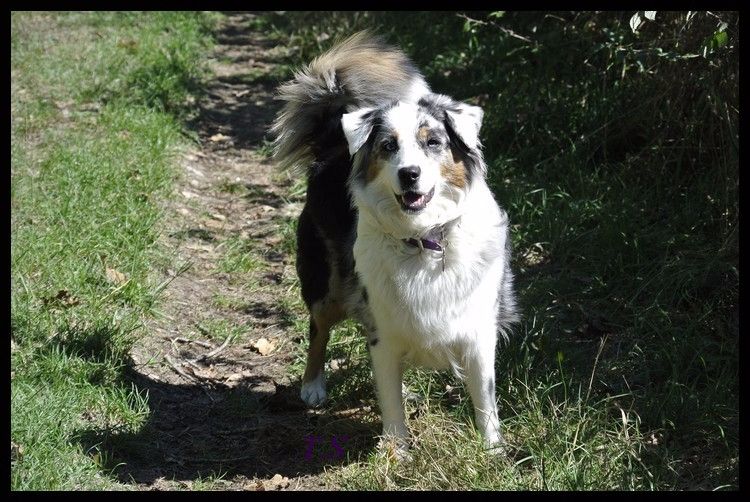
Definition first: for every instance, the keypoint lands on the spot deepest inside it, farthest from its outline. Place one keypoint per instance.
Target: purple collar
(433, 240)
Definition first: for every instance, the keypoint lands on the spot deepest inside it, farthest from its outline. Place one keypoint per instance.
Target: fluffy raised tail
(360, 71)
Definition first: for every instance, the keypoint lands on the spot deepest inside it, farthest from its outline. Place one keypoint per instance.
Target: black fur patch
(432, 107)
(376, 117)
(374, 342)
(327, 216)
(312, 266)
(313, 330)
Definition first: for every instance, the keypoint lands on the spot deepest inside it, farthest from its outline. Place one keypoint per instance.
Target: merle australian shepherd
(400, 230)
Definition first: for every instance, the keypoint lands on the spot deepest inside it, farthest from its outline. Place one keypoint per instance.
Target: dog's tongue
(413, 200)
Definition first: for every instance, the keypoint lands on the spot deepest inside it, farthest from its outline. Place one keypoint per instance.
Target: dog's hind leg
(323, 316)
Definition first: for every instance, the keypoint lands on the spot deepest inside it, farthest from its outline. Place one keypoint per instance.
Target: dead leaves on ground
(277, 482)
(263, 346)
(115, 276)
(16, 452)
(218, 137)
(199, 368)
(63, 299)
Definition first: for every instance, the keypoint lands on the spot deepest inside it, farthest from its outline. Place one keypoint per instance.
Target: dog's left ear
(465, 120)
(357, 127)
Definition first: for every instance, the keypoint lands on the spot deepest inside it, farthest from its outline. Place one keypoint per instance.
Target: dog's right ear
(357, 128)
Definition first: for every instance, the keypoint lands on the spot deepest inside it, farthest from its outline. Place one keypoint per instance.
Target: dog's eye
(390, 146)
(433, 142)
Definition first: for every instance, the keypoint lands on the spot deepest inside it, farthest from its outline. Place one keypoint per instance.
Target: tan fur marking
(423, 133)
(324, 318)
(454, 172)
(373, 168)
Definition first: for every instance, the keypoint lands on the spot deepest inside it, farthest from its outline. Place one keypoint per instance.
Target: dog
(399, 230)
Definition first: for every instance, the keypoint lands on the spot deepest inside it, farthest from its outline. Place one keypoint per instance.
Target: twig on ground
(175, 367)
(197, 366)
(215, 351)
(197, 342)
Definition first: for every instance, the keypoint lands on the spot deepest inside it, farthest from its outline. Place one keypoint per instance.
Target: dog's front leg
(388, 369)
(480, 379)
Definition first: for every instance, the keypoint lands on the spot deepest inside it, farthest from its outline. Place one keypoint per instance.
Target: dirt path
(235, 414)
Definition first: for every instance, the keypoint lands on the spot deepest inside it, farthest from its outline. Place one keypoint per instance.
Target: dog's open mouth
(413, 201)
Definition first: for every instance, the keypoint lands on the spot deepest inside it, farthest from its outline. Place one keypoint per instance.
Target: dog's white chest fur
(433, 304)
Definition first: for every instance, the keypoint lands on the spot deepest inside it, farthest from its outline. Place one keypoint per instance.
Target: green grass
(94, 98)
(616, 156)
(238, 257)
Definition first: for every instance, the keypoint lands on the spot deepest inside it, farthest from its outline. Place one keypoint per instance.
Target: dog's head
(414, 163)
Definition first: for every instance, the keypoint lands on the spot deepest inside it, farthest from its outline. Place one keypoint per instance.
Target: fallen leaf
(277, 482)
(218, 216)
(219, 137)
(128, 44)
(233, 378)
(239, 94)
(337, 363)
(205, 374)
(115, 276)
(16, 452)
(62, 298)
(214, 225)
(263, 345)
(63, 105)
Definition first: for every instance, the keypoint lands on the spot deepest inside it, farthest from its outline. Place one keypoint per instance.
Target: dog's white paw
(395, 448)
(313, 393)
(495, 445)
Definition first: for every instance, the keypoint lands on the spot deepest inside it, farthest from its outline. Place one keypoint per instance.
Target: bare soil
(231, 412)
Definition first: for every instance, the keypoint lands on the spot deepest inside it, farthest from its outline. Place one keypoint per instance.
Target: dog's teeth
(411, 199)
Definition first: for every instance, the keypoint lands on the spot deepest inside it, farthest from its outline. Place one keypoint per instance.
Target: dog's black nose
(409, 175)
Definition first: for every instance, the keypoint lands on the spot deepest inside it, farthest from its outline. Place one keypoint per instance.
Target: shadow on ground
(255, 430)
(239, 102)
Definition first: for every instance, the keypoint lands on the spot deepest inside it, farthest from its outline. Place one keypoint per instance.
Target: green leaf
(716, 41)
(720, 39)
